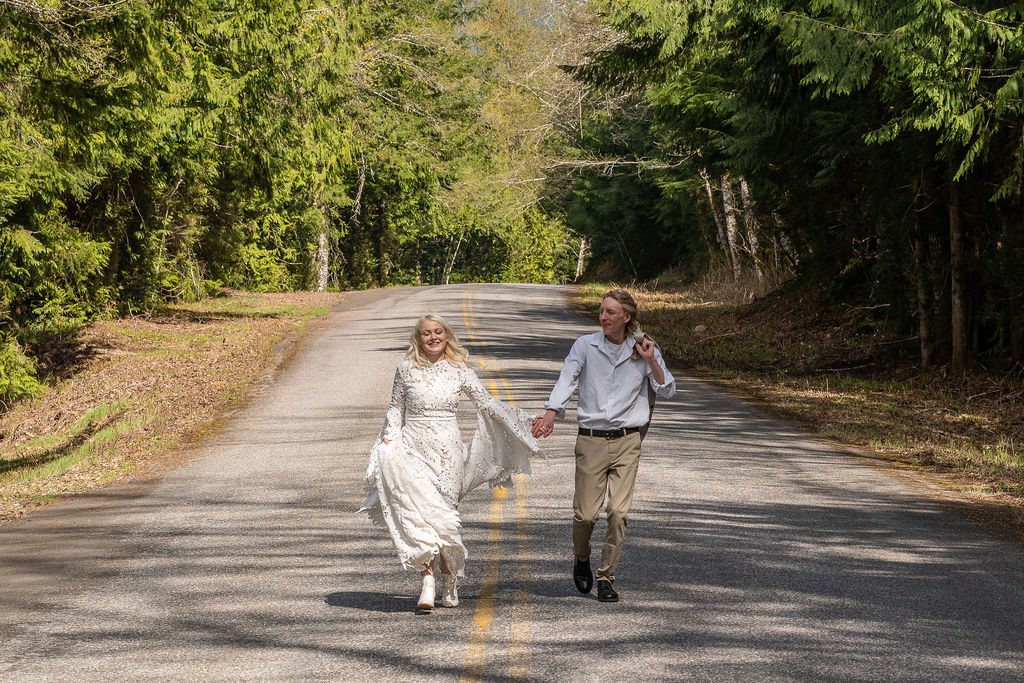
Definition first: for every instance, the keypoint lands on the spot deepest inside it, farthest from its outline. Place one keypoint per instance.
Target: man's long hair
(455, 352)
(628, 307)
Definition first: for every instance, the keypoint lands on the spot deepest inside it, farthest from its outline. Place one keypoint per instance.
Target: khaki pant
(603, 466)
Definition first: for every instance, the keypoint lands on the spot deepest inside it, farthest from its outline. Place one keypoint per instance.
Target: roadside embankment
(837, 372)
(143, 389)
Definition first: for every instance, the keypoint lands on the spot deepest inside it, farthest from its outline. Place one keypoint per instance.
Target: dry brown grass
(839, 373)
(144, 389)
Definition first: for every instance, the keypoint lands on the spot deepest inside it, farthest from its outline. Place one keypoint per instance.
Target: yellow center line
(521, 634)
(483, 617)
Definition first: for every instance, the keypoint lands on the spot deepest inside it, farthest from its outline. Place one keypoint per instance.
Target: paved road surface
(754, 553)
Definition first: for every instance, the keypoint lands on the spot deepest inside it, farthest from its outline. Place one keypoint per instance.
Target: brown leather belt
(609, 433)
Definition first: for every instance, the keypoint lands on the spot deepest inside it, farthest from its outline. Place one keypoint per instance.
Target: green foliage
(17, 374)
(159, 150)
(850, 120)
(534, 249)
(957, 68)
(640, 223)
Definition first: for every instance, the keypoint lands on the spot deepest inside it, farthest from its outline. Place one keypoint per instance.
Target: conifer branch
(982, 19)
(845, 29)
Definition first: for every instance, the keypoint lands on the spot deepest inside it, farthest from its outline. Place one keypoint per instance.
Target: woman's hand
(544, 424)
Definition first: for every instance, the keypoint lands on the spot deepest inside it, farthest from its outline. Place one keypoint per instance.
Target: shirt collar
(616, 355)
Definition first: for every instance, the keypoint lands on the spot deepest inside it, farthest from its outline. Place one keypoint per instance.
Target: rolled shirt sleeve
(666, 389)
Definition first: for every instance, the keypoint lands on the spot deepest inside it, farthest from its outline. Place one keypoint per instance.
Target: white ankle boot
(427, 594)
(449, 593)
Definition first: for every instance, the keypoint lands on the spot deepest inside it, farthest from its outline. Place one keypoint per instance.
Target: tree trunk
(451, 262)
(753, 225)
(356, 204)
(925, 301)
(378, 245)
(1017, 338)
(729, 209)
(958, 318)
(938, 250)
(716, 212)
(419, 263)
(784, 245)
(322, 254)
(626, 256)
(579, 258)
(707, 232)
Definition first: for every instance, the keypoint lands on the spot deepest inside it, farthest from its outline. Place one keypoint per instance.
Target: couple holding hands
(420, 468)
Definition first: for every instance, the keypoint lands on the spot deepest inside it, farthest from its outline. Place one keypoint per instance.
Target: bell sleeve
(502, 444)
(395, 417)
(385, 448)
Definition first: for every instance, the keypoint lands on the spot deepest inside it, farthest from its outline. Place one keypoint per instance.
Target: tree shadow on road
(370, 601)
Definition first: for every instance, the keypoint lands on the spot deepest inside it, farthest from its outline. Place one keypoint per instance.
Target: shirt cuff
(559, 411)
(656, 385)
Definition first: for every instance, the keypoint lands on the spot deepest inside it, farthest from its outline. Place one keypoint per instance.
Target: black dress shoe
(582, 576)
(605, 592)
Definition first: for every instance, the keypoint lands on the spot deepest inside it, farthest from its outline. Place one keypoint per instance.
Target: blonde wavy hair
(455, 352)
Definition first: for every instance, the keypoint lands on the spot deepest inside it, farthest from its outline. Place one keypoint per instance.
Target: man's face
(613, 320)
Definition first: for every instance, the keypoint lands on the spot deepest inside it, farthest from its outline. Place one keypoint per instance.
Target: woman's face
(433, 339)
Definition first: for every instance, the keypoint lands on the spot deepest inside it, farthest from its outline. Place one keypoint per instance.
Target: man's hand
(646, 351)
(544, 424)
(645, 348)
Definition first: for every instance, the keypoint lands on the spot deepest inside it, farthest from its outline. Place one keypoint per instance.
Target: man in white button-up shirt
(612, 371)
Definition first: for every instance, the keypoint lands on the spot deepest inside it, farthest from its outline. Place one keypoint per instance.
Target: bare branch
(609, 165)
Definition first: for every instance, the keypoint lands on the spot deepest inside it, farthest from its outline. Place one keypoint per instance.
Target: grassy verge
(838, 373)
(146, 388)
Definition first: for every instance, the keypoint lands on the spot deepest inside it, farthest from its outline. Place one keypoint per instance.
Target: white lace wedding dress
(420, 469)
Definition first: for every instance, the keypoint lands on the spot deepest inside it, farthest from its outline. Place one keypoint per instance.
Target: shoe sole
(607, 599)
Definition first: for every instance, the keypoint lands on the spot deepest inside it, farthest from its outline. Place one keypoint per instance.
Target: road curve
(754, 552)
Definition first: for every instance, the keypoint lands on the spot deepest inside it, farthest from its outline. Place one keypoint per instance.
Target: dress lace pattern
(420, 468)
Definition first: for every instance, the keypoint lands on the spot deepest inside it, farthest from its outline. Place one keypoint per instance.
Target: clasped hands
(544, 424)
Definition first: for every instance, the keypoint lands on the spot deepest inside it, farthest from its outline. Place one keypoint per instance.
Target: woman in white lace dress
(419, 467)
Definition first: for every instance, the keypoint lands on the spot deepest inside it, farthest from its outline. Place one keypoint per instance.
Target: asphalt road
(754, 552)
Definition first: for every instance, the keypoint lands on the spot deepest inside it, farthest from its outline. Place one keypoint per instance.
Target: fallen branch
(847, 369)
(719, 336)
(984, 393)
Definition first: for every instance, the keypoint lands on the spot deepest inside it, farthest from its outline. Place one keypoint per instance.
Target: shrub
(17, 374)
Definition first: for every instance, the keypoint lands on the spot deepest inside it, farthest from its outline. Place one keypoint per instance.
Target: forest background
(870, 152)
